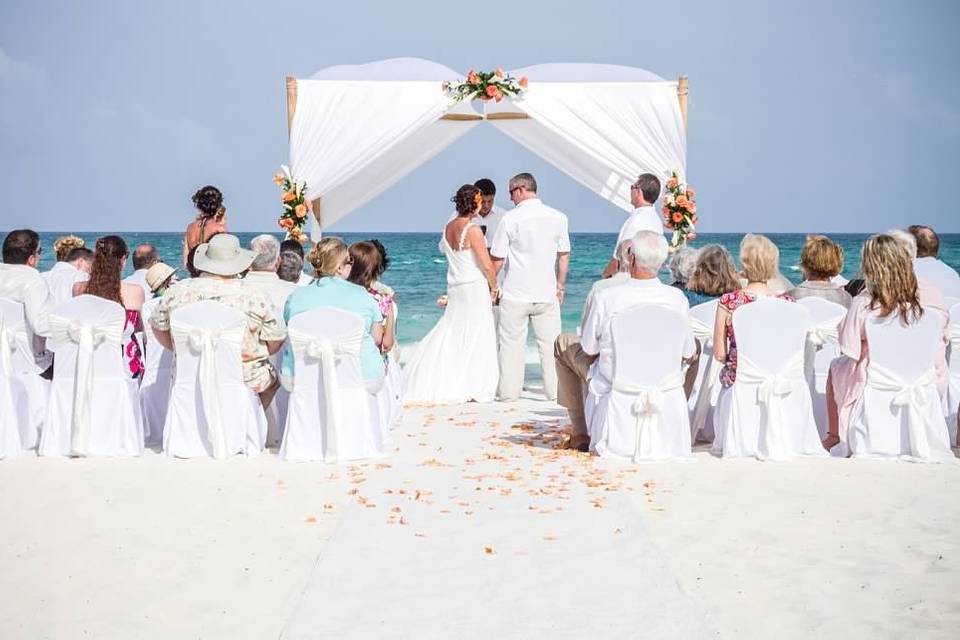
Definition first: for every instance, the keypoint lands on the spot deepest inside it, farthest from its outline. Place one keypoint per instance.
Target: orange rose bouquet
(295, 204)
(679, 211)
(485, 85)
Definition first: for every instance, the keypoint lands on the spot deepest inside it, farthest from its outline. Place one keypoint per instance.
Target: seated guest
(332, 264)
(109, 258)
(160, 277)
(292, 245)
(74, 268)
(928, 266)
(263, 272)
(364, 272)
(759, 258)
(714, 274)
(211, 219)
(21, 282)
(820, 261)
(144, 257)
(681, 265)
(621, 276)
(220, 263)
(63, 245)
(290, 268)
(590, 359)
(892, 287)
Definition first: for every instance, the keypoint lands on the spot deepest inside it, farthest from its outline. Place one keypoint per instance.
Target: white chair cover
(157, 380)
(277, 411)
(821, 349)
(645, 415)
(23, 393)
(332, 417)
(767, 412)
(93, 409)
(953, 391)
(212, 412)
(706, 387)
(900, 414)
(390, 398)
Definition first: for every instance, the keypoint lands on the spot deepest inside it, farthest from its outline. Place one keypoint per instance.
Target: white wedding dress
(457, 361)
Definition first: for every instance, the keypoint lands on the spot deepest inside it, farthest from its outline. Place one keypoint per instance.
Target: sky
(804, 116)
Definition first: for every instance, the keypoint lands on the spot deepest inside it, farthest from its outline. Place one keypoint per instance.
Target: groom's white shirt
(528, 239)
(642, 219)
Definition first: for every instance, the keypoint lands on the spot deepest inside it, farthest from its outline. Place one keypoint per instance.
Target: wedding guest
(21, 282)
(63, 245)
(144, 257)
(219, 264)
(263, 276)
(643, 195)
(364, 273)
(532, 248)
(292, 245)
(587, 365)
(927, 265)
(892, 288)
(759, 258)
(681, 265)
(820, 261)
(331, 261)
(74, 268)
(621, 276)
(159, 278)
(290, 268)
(211, 219)
(109, 258)
(713, 275)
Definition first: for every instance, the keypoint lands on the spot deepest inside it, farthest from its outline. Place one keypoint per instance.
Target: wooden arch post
(683, 89)
(291, 110)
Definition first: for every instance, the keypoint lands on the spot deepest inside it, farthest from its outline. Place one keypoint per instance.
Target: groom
(532, 248)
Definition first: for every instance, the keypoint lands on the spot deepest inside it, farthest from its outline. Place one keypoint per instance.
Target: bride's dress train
(457, 361)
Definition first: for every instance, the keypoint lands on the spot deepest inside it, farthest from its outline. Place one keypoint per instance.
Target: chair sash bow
(647, 408)
(328, 351)
(818, 336)
(773, 389)
(204, 342)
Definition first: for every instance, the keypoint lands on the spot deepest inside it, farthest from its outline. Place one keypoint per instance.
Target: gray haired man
(262, 275)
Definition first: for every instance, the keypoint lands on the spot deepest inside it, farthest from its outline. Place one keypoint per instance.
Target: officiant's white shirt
(642, 219)
(491, 222)
(597, 338)
(529, 237)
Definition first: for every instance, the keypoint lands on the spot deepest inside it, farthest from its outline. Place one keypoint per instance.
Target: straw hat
(223, 256)
(158, 274)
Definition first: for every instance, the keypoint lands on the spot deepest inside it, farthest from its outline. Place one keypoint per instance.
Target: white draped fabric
(706, 386)
(23, 393)
(157, 380)
(821, 349)
(953, 391)
(93, 408)
(212, 412)
(332, 416)
(357, 129)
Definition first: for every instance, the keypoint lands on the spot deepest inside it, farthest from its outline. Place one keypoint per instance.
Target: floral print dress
(731, 302)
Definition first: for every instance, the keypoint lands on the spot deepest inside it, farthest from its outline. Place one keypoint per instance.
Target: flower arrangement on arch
(486, 85)
(679, 211)
(295, 204)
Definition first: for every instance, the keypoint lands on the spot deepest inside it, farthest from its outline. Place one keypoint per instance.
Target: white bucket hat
(223, 256)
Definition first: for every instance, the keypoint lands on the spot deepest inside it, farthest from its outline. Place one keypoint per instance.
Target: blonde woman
(332, 264)
(891, 288)
(760, 259)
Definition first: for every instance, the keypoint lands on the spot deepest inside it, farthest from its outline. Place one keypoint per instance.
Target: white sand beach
(477, 527)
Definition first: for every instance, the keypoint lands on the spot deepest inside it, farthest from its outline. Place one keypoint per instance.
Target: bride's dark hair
(466, 199)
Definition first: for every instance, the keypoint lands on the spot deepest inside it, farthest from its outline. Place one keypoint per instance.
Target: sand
(507, 537)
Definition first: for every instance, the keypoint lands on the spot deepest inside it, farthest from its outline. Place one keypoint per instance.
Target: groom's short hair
(486, 186)
(649, 186)
(525, 180)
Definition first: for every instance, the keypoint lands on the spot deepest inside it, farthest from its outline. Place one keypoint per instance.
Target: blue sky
(804, 116)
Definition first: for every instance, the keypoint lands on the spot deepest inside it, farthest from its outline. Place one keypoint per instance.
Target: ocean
(418, 271)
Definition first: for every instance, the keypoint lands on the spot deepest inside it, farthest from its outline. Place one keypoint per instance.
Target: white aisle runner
(478, 529)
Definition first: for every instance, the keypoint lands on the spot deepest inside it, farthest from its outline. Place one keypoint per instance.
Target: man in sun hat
(220, 263)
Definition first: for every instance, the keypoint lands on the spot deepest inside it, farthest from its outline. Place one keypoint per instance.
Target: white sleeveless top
(462, 264)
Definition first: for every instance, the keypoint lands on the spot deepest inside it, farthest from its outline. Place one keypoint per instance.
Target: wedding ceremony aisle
(478, 527)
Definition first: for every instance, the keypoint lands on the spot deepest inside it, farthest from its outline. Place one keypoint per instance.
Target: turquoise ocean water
(418, 271)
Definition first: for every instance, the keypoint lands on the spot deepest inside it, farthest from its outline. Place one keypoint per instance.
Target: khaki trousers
(572, 368)
(512, 338)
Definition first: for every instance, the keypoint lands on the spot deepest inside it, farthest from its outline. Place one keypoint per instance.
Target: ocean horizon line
(579, 233)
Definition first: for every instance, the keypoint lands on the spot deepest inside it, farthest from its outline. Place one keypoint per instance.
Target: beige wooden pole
(291, 101)
(683, 89)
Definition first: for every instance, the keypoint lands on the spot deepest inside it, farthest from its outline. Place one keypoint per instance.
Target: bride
(457, 361)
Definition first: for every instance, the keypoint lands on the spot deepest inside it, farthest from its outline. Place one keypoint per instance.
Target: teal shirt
(340, 294)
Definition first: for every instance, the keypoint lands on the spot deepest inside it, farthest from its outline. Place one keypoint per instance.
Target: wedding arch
(355, 130)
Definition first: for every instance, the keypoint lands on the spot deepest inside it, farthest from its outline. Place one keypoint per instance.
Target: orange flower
(678, 217)
(286, 223)
(523, 82)
(691, 207)
(492, 91)
(288, 196)
(499, 96)
(301, 210)
(472, 77)
(672, 183)
(278, 179)
(682, 201)
(499, 72)
(691, 193)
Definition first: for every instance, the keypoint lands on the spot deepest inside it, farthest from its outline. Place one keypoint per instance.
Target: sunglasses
(514, 189)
